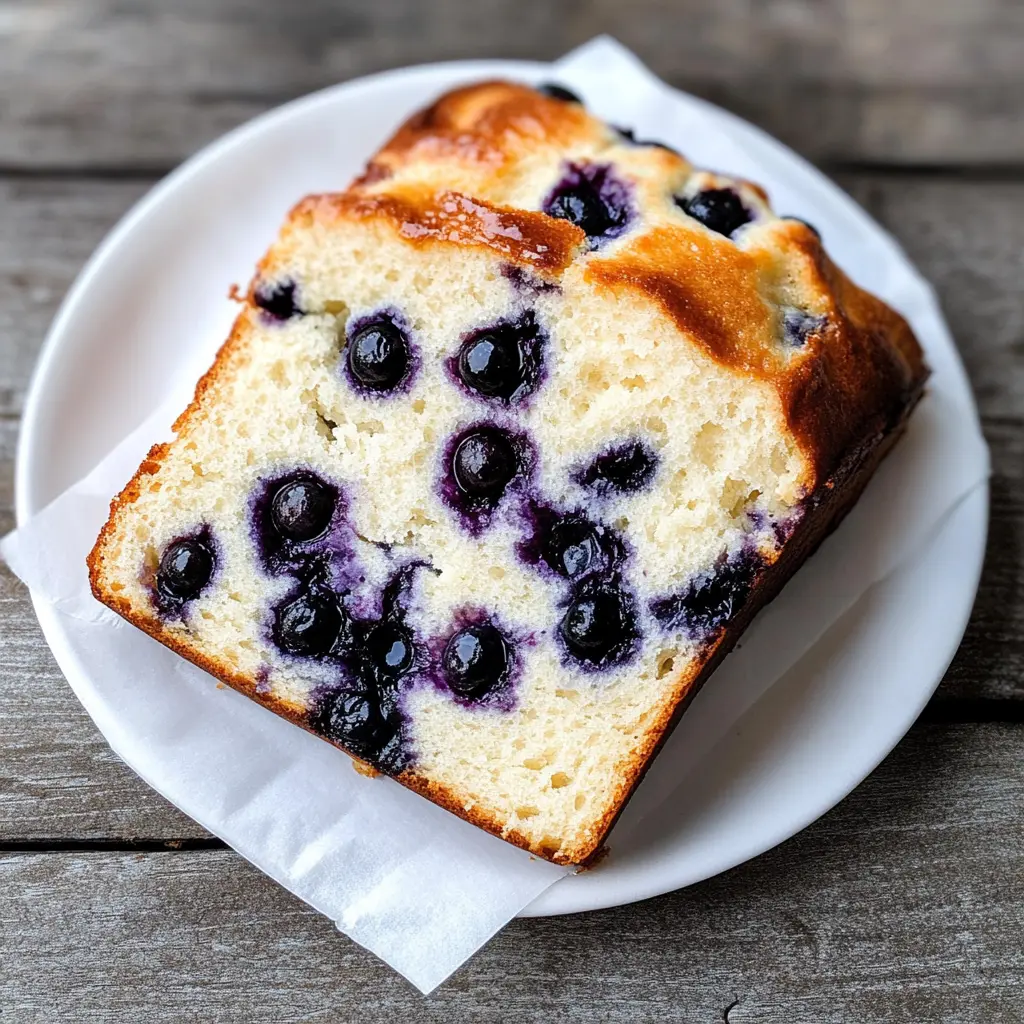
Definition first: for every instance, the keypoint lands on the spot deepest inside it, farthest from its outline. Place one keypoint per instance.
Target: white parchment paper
(418, 887)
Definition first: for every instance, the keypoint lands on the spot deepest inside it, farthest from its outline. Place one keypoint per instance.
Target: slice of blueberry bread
(509, 443)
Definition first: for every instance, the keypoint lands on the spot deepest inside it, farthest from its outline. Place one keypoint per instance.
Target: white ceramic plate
(162, 276)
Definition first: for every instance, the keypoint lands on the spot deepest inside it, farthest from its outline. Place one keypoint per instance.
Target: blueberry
(311, 624)
(302, 508)
(388, 649)
(558, 92)
(378, 356)
(623, 469)
(583, 207)
(277, 300)
(599, 626)
(719, 209)
(493, 364)
(711, 599)
(185, 569)
(356, 720)
(593, 198)
(484, 464)
(572, 546)
(798, 326)
(475, 661)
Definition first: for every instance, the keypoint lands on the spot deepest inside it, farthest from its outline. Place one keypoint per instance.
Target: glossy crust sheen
(442, 179)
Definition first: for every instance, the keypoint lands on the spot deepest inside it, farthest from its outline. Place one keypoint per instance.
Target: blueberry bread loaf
(509, 443)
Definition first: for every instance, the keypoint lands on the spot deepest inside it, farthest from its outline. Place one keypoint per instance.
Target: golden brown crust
(850, 379)
(424, 217)
(486, 125)
(846, 393)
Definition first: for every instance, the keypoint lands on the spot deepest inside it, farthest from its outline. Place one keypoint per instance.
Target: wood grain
(120, 84)
(905, 904)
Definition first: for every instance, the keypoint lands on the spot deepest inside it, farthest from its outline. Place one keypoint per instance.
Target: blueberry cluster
(599, 627)
(299, 524)
(704, 607)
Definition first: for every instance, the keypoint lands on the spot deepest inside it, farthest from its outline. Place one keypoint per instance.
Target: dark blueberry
(711, 599)
(719, 209)
(558, 92)
(484, 464)
(798, 326)
(572, 546)
(502, 360)
(592, 198)
(378, 356)
(277, 300)
(311, 624)
(492, 364)
(583, 207)
(302, 508)
(599, 626)
(623, 469)
(186, 567)
(356, 720)
(476, 660)
(388, 649)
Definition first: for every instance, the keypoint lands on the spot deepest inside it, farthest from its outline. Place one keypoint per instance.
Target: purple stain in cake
(525, 283)
(501, 362)
(627, 467)
(263, 686)
(277, 300)
(711, 598)
(380, 357)
(718, 209)
(594, 198)
(798, 326)
(600, 628)
(568, 545)
(187, 566)
(481, 467)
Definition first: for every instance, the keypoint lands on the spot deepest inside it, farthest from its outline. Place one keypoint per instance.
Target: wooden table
(905, 903)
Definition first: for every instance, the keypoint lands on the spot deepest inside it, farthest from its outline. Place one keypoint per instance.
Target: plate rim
(28, 502)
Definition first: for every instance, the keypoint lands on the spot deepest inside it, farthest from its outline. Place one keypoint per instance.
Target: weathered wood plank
(905, 904)
(50, 227)
(127, 83)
